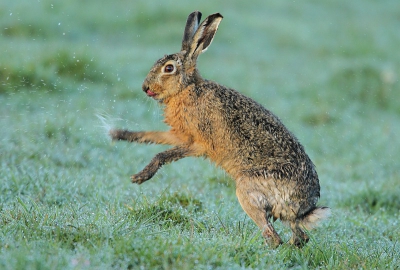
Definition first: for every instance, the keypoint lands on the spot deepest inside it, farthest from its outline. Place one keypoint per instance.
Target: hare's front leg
(159, 160)
(157, 137)
(256, 207)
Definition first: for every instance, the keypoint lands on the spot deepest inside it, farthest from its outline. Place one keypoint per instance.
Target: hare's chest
(178, 117)
(181, 120)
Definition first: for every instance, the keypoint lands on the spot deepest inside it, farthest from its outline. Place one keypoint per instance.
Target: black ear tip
(198, 13)
(195, 14)
(215, 16)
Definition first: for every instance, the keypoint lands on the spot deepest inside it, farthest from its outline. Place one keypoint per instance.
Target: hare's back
(255, 127)
(239, 126)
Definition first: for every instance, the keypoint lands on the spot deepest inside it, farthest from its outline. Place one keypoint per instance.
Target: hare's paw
(137, 178)
(273, 243)
(298, 242)
(120, 135)
(272, 239)
(115, 134)
(141, 177)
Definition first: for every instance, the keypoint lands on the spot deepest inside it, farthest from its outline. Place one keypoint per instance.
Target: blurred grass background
(329, 69)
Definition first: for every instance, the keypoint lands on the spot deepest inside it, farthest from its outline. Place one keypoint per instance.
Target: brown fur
(274, 176)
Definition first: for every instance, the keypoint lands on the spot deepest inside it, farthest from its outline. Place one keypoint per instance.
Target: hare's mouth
(150, 93)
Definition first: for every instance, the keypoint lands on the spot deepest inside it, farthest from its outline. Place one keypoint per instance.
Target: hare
(275, 179)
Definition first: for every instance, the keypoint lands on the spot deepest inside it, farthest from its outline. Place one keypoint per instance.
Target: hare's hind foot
(272, 239)
(298, 242)
(301, 225)
(299, 237)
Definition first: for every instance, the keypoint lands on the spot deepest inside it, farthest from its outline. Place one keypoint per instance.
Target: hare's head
(173, 73)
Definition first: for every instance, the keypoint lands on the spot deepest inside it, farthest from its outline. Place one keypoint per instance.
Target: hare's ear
(204, 35)
(192, 24)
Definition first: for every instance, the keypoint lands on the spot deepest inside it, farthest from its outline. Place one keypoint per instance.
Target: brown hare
(275, 179)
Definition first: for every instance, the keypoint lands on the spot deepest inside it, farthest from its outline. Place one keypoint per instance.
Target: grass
(329, 69)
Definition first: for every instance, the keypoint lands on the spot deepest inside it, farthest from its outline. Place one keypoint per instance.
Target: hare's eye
(169, 68)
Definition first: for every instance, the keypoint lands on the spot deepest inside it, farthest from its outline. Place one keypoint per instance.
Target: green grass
(329, 69)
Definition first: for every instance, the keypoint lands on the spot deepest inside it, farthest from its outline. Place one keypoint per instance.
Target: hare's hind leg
(255, 206)
(299, 237)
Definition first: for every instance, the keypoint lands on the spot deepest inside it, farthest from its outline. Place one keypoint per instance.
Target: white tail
(313, 219)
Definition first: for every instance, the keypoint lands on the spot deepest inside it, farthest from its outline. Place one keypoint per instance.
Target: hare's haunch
(274, 176)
